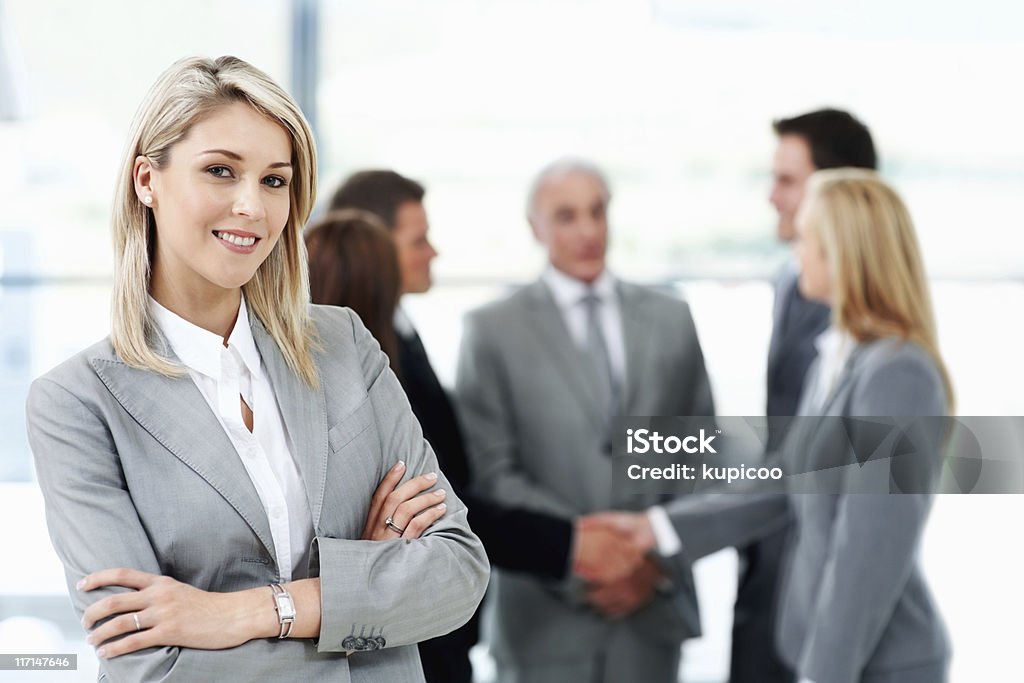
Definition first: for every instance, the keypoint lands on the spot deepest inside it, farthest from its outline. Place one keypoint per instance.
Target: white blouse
(834, 349)
(223, 374)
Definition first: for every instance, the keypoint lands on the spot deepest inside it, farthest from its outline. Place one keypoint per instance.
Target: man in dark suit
(827, 138)
(515, 538)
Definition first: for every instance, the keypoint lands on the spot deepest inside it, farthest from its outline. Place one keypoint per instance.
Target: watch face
(285, 608)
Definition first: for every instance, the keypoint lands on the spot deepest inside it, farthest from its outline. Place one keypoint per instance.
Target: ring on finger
(135, 616)
(389, 523)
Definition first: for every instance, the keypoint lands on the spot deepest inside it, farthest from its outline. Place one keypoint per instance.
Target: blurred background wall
(674, 98)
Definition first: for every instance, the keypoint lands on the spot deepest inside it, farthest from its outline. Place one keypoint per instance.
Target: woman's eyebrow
(238, 157)
(226, 152)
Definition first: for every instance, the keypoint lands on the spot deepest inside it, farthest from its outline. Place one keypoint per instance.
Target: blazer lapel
(785, 285)
(569, 360)
(842, 383)
(176, 414)
(636, 326)
(304, 410)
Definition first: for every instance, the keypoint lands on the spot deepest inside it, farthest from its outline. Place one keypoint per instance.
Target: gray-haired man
(541, 375)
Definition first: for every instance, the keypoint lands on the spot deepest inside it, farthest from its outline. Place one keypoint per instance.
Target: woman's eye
(275, 181)
(219, 171)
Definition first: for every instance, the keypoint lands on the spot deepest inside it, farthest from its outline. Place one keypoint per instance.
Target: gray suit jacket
(534, 434)
(137, 472)
(854, 605)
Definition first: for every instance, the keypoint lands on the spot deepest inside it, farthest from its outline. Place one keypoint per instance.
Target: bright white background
(674, 98)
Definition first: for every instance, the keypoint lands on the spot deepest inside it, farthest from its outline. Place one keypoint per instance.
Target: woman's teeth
(236, 240)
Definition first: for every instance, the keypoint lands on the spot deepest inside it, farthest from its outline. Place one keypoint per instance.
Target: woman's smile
(237, 241)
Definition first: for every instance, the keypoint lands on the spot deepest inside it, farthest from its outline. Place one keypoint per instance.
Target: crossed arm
(171, 612)
(101, 540)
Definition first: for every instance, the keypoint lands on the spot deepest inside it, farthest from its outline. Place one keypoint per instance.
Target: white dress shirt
(403, 324)
(223, 374)
(834, 349)
(568, 293)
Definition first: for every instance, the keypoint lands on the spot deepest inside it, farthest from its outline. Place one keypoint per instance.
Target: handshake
(610, 552)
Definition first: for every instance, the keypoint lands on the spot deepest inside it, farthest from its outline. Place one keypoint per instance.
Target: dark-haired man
(826, 138)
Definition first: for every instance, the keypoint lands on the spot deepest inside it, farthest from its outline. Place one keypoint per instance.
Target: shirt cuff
(664, 533)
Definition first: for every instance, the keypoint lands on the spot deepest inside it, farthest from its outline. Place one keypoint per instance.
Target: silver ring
(394, 527)
(135, 616)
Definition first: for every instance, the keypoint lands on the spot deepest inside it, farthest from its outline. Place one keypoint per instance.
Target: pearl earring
(147, 200)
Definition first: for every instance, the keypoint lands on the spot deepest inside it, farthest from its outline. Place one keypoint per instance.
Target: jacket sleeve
(701, 401)
(93, 525)
(522, 540)
(407, 590)
(876, 536)
(709, 522)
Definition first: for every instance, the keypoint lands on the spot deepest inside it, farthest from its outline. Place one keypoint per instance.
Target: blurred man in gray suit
(542, 373)
(827, 138)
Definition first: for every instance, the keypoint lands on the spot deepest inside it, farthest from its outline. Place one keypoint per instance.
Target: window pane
(80, 69)
(675, 100)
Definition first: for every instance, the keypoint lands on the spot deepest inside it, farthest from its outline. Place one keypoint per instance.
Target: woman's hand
(161, 611)
(407, 506)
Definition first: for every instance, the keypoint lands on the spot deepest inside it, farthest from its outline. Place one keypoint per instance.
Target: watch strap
(285, 608)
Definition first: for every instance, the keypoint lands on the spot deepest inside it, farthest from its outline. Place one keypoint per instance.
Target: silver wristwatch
(285, 609)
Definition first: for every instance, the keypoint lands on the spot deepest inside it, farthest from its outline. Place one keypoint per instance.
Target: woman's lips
(238, 242)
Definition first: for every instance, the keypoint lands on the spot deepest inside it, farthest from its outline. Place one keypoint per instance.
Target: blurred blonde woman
(858, 252)
(209, 469)
(854, 606)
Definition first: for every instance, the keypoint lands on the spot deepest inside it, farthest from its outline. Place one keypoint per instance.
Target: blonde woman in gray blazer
(209, 469)
(854, 605)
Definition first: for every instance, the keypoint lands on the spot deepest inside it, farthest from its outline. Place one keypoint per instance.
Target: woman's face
(815, 273)
(221, 202)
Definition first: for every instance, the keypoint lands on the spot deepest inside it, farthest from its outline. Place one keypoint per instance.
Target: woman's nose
(248, 202)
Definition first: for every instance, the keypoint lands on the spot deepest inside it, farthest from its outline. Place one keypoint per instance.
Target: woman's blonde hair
(190, 90)
(879, 284)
